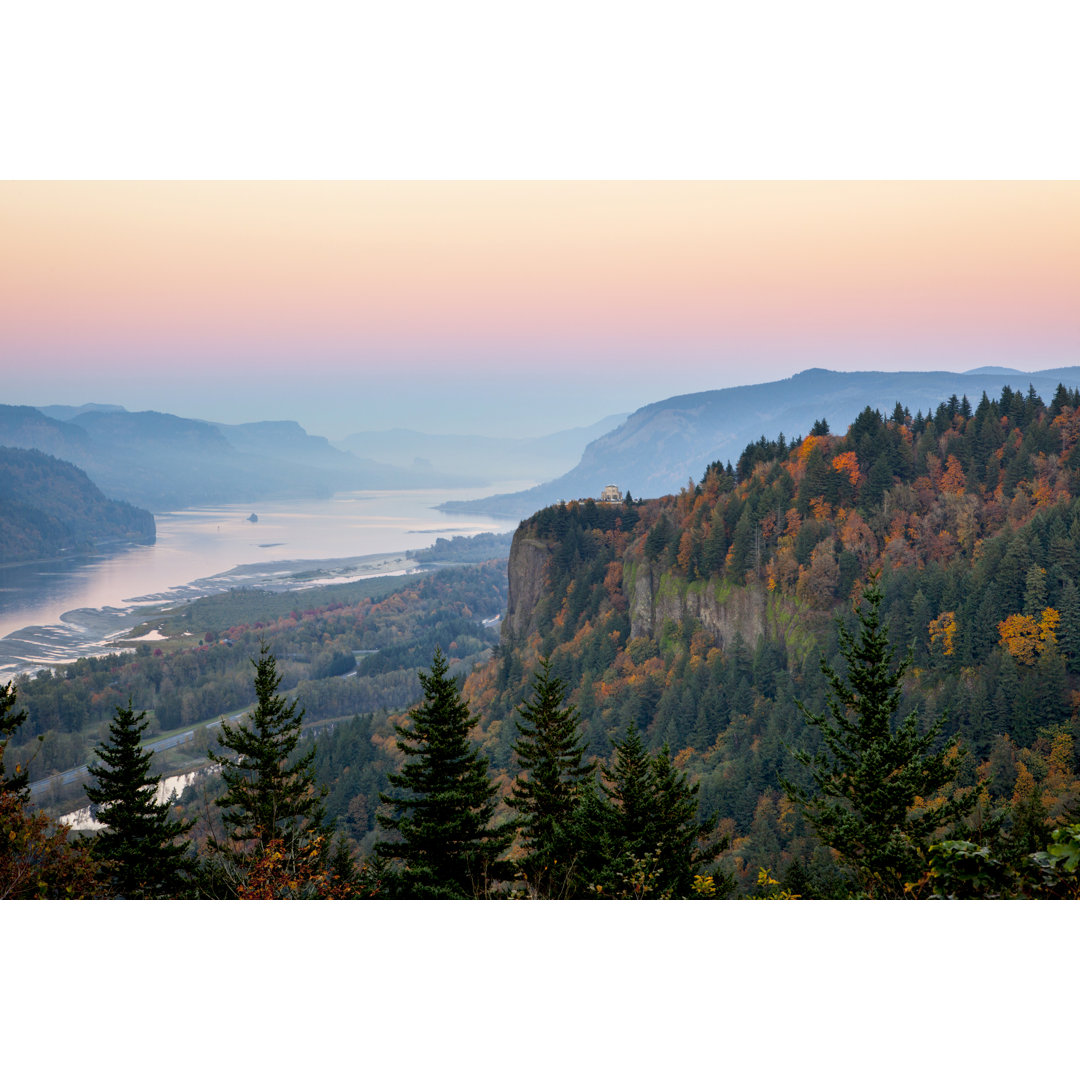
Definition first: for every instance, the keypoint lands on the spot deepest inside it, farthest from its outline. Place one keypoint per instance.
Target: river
(56, 610)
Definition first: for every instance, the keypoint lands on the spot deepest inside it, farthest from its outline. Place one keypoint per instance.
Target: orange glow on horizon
(243, 266)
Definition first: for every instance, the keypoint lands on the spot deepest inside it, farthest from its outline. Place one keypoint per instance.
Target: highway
(165, 743)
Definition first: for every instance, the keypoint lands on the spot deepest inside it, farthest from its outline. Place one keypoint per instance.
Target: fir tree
(137, 852)
(18, 783)
(550, 752)
(271, 794)
(655, 842)
(443, 813)
(871, 775)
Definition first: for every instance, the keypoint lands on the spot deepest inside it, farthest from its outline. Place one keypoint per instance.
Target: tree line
(633, 833)
(878, 792)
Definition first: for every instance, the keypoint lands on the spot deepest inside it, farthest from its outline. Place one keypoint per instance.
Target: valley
(701, 631)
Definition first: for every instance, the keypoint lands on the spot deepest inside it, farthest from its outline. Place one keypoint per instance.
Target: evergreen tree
(871, 775)
(18, 783)
(137, 852)
(655, 843)
(550, 751)
(443, 813)
(271, 794)
(1070, 625)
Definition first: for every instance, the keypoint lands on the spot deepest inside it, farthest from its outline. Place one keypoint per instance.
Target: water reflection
(198, 543)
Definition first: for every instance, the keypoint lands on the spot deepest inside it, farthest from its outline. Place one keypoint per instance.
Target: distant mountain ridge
(164, 462)
(49, 507)
(69, 412)
(661, 445)
(486, 457)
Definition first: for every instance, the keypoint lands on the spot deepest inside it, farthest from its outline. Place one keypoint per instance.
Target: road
(166, 743)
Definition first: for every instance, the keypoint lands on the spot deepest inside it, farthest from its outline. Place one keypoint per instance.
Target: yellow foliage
(943, 631)
(1060, 760)
(704, 887)
(1025, 638)
(682, 757)
(808, 444)
(1025, 784)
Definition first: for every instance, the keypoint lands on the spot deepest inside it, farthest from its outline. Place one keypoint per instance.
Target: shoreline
(83, 632)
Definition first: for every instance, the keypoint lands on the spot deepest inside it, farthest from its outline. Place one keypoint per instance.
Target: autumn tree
(36, 860)
(444, 799)
(137, 852)
(550, 752)
(878, 800)
(278, 874)
(1025, 638)
(271, 794)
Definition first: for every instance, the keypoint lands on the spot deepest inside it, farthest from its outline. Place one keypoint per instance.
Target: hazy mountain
(69, 412)
(287, 440)
(30, 429)
(486, 458)
(49, 507)
(663, 444)
(164, 462)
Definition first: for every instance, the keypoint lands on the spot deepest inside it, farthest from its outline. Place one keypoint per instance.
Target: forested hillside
(51, 508)
(346, 650)
(843, 667)
(699, 618)
(664, 442)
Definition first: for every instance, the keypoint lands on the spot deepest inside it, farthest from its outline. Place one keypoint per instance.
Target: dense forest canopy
(701, 617)
(51, 508)
(693, 641)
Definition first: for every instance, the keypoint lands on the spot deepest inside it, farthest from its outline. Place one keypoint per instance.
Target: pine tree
(18, 783)
(443, 813)
(271, 794)
(137, 852)
(655, 842)
(550, 752)
(871, 775)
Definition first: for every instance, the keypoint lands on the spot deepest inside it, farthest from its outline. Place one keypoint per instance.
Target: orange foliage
(953, 481)
(858, 538)
(808, 444)
(848, 464)
(613, 584)
(686, 550)
(277, 876)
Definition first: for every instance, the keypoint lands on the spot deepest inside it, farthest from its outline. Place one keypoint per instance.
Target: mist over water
(195, 544)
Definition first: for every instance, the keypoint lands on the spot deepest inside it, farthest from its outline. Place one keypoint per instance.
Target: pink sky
(516, 306)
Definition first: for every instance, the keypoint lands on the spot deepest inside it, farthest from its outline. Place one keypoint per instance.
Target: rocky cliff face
(527, 576)
(653, 600)
(723, 611)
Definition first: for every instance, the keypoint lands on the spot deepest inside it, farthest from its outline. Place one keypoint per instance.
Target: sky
(515, 307)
